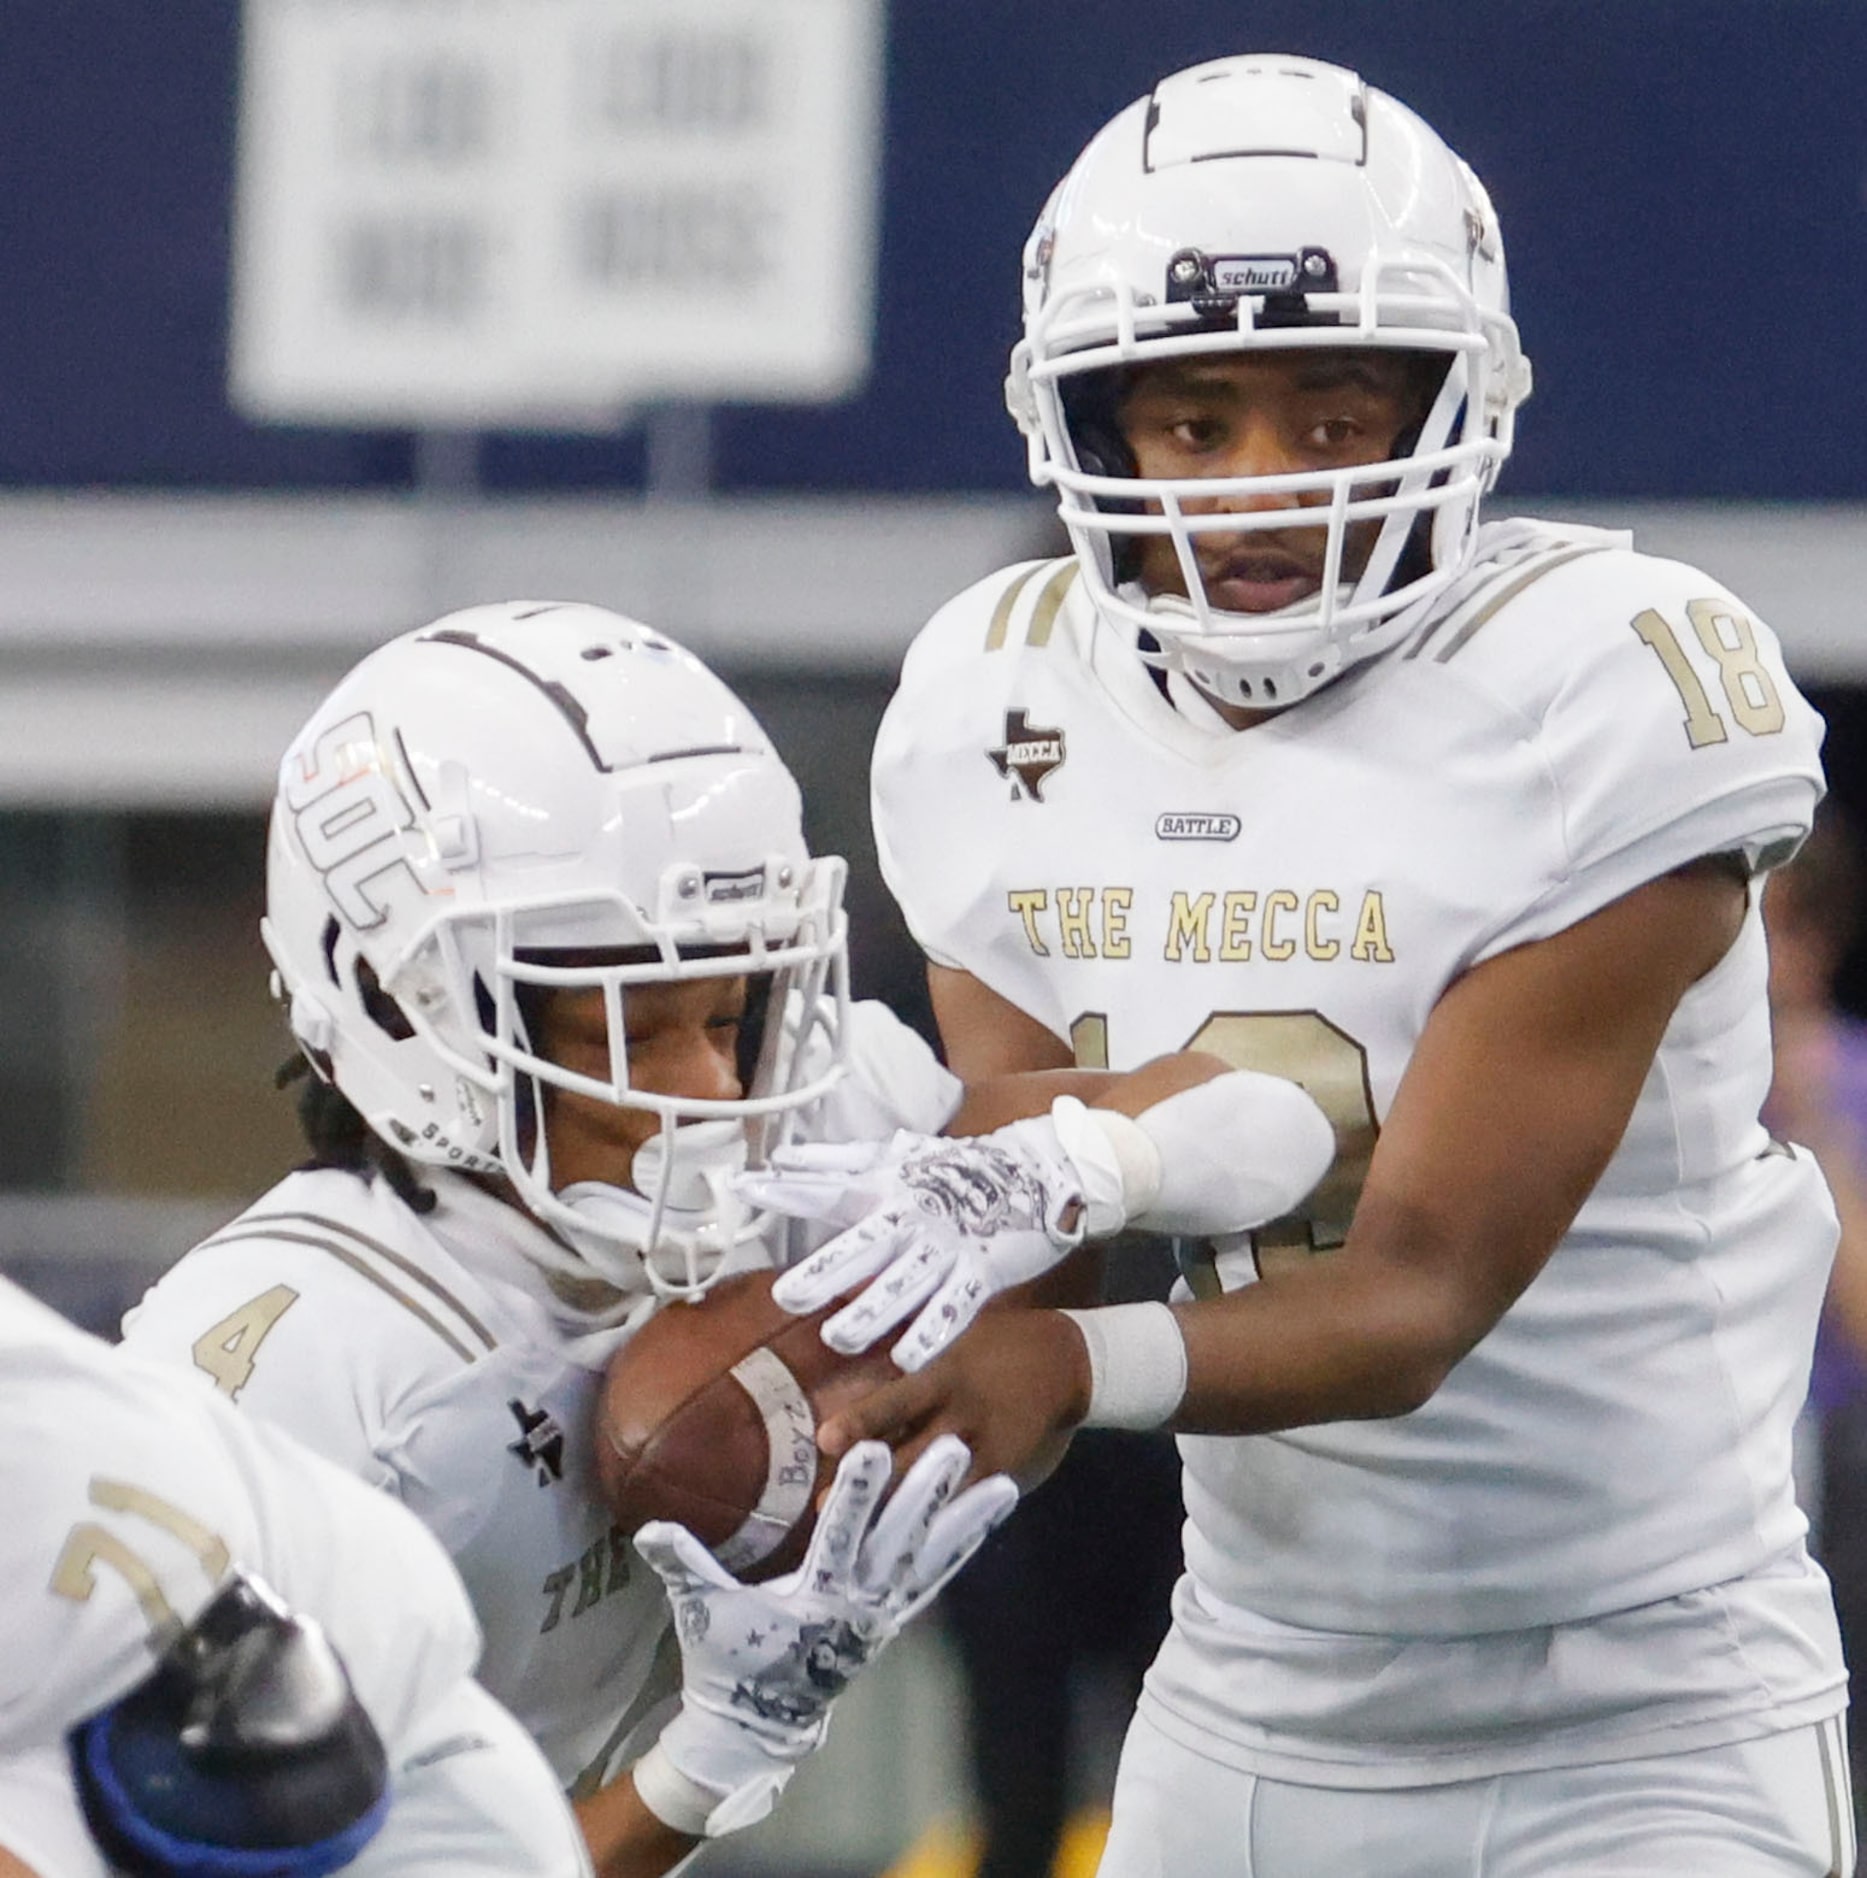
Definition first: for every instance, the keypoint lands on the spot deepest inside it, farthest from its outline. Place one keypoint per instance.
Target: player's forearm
(1316, 1346)
(1362, 1334)
(1371, 1330)
(625, 1839)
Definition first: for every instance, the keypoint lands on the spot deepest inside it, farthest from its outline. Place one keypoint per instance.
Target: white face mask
(678, 1223)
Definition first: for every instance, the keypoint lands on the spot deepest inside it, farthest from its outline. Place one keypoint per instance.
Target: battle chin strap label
(790, 1463)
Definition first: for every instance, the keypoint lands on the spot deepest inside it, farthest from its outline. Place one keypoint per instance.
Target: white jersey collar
(502, 1244)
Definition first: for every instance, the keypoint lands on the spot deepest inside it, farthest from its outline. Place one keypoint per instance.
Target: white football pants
(1758, 1809)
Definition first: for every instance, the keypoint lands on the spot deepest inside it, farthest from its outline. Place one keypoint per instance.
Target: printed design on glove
(762, 1665)
(814, 1671)
(693, 1618)
(981, 1190)
(932, 1227)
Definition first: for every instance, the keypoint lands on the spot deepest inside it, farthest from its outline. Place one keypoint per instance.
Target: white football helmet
(532, 796)
(1252, 203)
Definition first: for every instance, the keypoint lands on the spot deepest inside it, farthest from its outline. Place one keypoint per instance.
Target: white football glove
(943, 1223)
(939, 1223)
(762, 1664)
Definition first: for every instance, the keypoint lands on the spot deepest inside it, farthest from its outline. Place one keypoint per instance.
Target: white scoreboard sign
(467, 213)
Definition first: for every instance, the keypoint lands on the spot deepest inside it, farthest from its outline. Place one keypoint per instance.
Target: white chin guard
(673, 1231)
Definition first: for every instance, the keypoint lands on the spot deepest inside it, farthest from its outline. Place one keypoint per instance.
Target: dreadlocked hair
(339, 1137)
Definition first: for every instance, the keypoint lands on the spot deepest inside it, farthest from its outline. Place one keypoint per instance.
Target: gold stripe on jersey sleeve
(1049, 605)
(1498, 602)
(362, 1268)
(1001, 614)
(406, 1266)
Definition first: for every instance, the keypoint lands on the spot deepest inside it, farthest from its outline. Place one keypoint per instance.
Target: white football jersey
(431, 1356)
(409, 1351)
(1573, 720)
(127, 1499)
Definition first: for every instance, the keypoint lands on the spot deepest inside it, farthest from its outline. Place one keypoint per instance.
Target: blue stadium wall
(1681, 186)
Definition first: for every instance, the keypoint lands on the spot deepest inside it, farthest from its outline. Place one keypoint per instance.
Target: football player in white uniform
(160, 1696)
(1493, 1561)
(563, 968)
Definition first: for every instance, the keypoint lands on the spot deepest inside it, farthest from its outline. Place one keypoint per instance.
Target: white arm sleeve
(1220, 1157)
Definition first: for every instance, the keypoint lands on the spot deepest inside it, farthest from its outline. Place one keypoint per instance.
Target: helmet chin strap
(680, 1222)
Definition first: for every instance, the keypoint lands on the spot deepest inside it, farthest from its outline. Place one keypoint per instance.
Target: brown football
(708, 1416)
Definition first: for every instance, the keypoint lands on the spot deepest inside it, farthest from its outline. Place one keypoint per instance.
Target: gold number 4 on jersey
(226, 1350)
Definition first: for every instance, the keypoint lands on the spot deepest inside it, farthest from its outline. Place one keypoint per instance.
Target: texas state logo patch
(1028, 756)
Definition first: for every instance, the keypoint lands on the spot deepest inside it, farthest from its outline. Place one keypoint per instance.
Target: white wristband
(688, 1805)
(1137, 1364)
(1115, 1159)
(674, 1799)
